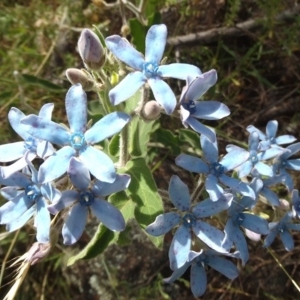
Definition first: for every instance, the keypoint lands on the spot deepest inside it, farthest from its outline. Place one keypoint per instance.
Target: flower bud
(151, 110)
(91, 50)
(79, 76)
(37, 252)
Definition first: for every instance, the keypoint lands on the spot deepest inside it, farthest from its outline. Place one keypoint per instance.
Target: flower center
(31, 144)
(189, 105)
(77, 140)
(150, 69)
(32, 192)
(253, 158)
(189, 220)
(216, 169)
(86, 198)
(240, 219)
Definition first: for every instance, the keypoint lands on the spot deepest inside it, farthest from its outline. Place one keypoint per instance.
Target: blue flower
(190, 108)
(237, 218)
(216, 170)
(255, 159)
(30, 148)
(147, 69)
(282, 228)
(269, 139)
(88, 196)
(189, 219)
(31, 200)
(78, 140)
(282, 163)
(198, 262)
(296, 203)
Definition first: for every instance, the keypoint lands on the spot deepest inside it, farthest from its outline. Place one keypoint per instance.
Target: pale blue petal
(46, 111)
(163, 224)
(12, 151)
(56, 165)
(198, 280)
(214, 190)
(156, 39)
(270, 196)
(287, 240)
(178, 70)
(163, 94)
(293, 164)
(234, 234)
(200, 85)
(44, 149)
(106, 213)
(16, 179)
(14, 117)
(10, 193)
(210, 150)
(50, 192)
(18, 165)
(253, 141)
(270, 153)
(46, 130)
(124, 51)
(261, 135)
(106, 127)
(211, 110)
(294, 148)
(22, 220)
(293, 226)
(103, 189)
(180, 247)
(263, 169)
(285, 139)
(223, 266)
(79, 174)
(209, 208)
(67, 199)
(237, 185)
(99, 164)
(76, 108)
(200, 128)
(75, 224)
(234, 158)
(179, 194)
(127, 87)
(211, 236)
(191, 163)
(42, 222)
(270, 238)
(245, 169)
(177, 273)
(255, 223)
(271, 129)
(13, 209)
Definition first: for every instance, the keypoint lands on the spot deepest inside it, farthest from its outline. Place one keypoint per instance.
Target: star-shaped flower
(189, 217)
(282, 228)
(30, 148)
(269, 139)
(198, 262)
(31, 200)
(88, 195)
(78, 140)
(147, 69)
(191, 109)
(216, 170)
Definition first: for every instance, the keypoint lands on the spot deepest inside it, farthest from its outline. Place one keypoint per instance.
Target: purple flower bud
(151, 110)
(91, 50)
(37, 252)
(79, 76)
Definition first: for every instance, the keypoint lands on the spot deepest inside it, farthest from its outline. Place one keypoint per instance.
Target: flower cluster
(232, 186)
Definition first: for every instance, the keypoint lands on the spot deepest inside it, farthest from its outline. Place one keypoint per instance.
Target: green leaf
(168, 139)
(144, 194)
(33, 80)
(95, 108)
(103, 236)
(190, 137)
(138, 33)
(113, 147)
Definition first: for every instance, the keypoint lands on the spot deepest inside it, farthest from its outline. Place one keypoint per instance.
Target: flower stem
(124, 143)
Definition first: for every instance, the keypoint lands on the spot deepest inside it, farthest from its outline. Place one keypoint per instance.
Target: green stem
(124, 154)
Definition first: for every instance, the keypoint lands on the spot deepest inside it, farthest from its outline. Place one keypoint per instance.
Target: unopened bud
(91, 50)
(78, 76)
(37, 252)
(151, 110)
